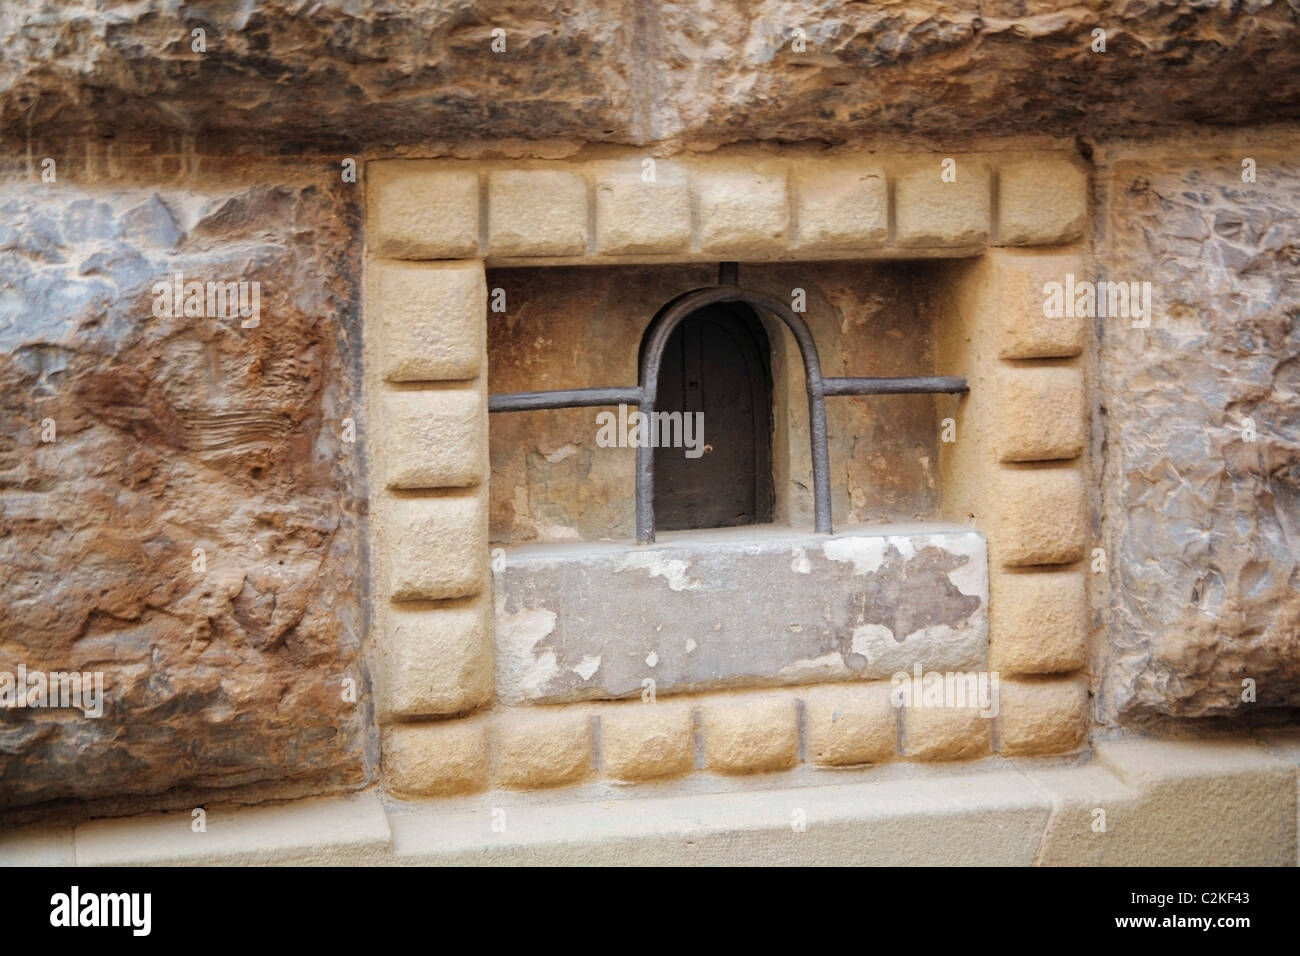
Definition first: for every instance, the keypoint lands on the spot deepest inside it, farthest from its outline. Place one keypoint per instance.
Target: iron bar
(563, 398)
(916, 385)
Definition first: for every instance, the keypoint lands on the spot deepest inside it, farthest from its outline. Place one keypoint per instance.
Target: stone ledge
(321, 831)
(786, 607)
(1175, 802)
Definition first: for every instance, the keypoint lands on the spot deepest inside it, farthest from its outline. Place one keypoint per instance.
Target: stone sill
(756, 606)
(1215, 802)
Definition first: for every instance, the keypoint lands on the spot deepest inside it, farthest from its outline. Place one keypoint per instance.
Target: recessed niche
(556, 477)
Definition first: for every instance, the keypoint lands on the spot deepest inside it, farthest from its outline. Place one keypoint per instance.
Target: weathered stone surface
(736, 608)
(647, 739)
(176, 434)
(850, 724)
(1204, 523)
(749, 733)
(542, 748)
(360, 71)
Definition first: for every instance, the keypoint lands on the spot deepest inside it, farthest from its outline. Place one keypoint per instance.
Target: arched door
(716, 366)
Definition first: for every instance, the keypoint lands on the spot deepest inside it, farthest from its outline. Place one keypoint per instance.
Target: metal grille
(645, 394)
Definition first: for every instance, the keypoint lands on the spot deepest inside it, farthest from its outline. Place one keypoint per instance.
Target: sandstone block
(643, 741)
(1039, 413)
(432, 320)
(422, 210)
(750, 733)
(431, 663)
(850, 723)
(435, 759)
(946, 733)
(842, 208)
(1037, 622)
(437, 547)
(1013, 301)
(433, 439)
(542, 747)
(1038, 517)
(1042, 716)
(931, 212)
(1041, 202)
(741, 211)
(638, 217)
(536, 212)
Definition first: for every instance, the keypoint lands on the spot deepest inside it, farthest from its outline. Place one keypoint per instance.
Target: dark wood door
(716, 362)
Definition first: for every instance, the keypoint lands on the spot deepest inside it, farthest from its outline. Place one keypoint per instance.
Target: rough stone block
(536, 212)
(435, 759)
(422, 210)
(1041, 202)
(750, 604)
(432, 439)
(433, 662)
(437, 547)
(432, 320)
(946, 733)
(1039, 413)
(931, 212)
(842, 207)
(645, 741)
(542, 747)
(750, 733)
(1037, 622)
(1014, 302)
(637, 217)
(741, 211)
(850, 724)
(1042, 716)
(1039, 517)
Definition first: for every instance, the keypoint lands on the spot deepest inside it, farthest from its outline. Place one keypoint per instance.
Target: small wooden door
(717, 362)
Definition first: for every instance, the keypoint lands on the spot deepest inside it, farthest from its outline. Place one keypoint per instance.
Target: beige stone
(842, 207)
(1041, 202)
(931, 212)
(1095, 817)
(437, 547)
(422, 210)
(432, 438)
(432, 320)
(638, 217)
(643, 741)
(1042, 716)
(946, 733)
(1012, 299)
(536, 212)
(750, 733)
(1039, 413)
(1206, 802)
(542, 747)
(433, 662)
(741, 211)
(1038, 517)
(850, 724)
(1038, 621)
(435, 759)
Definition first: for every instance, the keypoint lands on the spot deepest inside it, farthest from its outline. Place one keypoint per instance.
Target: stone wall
(1200, 419)
(228, 674)
(129, 440)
